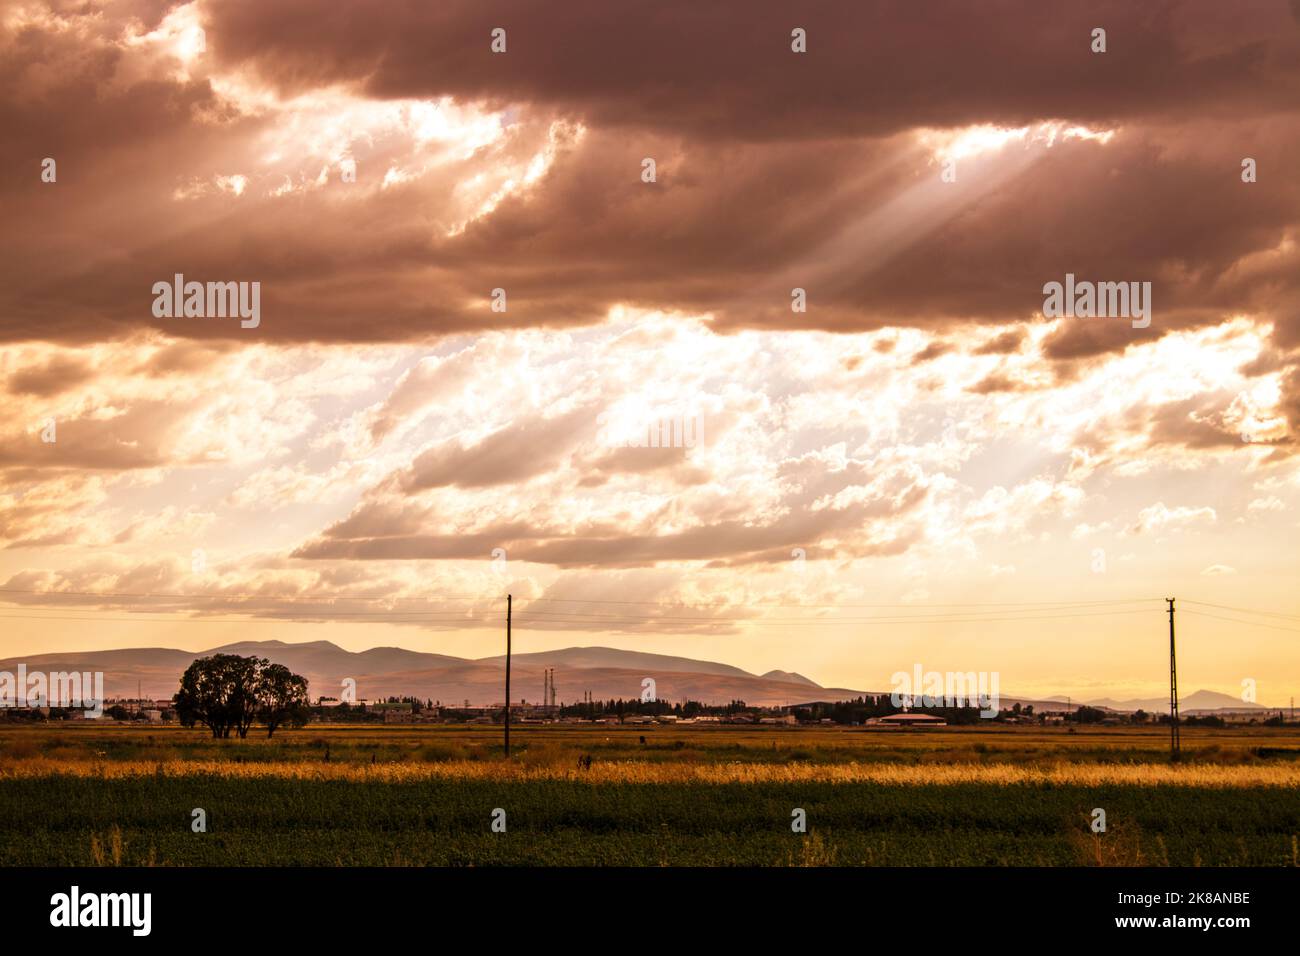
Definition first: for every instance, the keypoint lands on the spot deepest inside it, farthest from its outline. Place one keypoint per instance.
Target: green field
(721, 796)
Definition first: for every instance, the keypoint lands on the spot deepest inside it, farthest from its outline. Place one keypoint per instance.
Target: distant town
(865, 711)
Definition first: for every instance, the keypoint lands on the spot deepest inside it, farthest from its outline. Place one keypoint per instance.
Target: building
(912, 720)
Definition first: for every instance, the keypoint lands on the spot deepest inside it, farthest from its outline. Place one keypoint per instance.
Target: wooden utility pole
(1174, 746)
(509, 599)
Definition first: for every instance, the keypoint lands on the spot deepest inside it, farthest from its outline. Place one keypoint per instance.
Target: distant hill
(605, 672)
(597, 657)
(790, 677)
(1200, 700)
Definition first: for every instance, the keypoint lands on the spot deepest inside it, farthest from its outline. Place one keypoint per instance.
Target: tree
(1089, 715)
(220, 692)
(281, 697)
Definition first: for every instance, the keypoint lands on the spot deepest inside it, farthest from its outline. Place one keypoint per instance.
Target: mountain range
(380, 672)
(1201, 700)
(605, 672)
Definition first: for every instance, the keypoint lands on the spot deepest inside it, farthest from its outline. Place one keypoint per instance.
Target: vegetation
(424, 796)
(227, 692)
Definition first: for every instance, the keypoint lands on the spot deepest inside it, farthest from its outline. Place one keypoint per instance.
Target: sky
(484, 277)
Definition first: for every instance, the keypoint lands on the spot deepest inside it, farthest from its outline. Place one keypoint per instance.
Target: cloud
(59, 373)
(732, 77)
(1158, 517)
(384, 429)
(521, 172)
(510, 455)
(1271, 503)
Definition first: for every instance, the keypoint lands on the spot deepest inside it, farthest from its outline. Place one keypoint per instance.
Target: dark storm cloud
(776, 169)
(719, 70)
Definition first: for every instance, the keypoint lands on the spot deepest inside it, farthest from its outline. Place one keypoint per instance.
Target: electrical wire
(1244, 610)
(1233, 620)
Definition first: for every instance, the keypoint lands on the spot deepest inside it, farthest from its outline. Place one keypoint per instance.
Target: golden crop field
(421, 795)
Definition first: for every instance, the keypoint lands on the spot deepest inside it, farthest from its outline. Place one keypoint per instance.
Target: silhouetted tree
(281, 697)
(1089, 715)
(227, 692)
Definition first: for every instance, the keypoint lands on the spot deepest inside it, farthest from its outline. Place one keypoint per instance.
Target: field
(426, 795)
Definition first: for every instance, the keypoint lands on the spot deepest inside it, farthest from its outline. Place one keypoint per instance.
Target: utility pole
(509, 601)
(1174, 744)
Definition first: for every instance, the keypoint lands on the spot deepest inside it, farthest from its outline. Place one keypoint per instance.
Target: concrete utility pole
(1174, 744)
(509, 601)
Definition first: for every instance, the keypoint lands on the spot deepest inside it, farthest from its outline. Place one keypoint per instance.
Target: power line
(767, 622)
(137, 618)
(247, 596)
(559, 619)
(233, 595)
(937, 617)
(1233, 620)
(855, 606)
(312, 607)
(450, 617)
(269, 613)
(1244, 610)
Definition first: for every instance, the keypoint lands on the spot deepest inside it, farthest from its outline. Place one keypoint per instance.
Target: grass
(425, 796)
